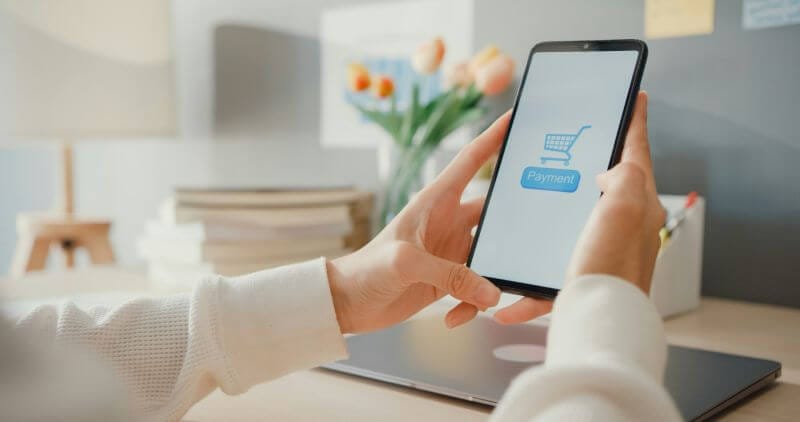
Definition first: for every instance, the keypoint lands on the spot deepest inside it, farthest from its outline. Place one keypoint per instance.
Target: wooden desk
(722, 325)
(728, 326)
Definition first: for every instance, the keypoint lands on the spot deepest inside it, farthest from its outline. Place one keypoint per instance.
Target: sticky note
(757, 14)
(678, 18)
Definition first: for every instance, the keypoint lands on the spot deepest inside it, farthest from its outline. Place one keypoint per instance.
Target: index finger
(469, 160)
(637, 147)
(523, 310)
(453, 278)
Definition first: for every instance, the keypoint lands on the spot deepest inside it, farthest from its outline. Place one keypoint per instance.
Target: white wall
(126, 180)
(27, 183)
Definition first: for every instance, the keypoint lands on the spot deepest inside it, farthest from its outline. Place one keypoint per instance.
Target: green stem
(410, 174)
(392, 185)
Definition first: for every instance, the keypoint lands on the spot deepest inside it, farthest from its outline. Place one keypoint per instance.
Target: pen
(676, 220)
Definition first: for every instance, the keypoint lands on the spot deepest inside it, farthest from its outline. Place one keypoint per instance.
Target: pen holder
(676, 279)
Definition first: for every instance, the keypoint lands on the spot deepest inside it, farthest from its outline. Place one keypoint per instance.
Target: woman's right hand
(621, 235)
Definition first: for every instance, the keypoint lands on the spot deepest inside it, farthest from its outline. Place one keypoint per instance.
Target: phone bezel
(639, 46)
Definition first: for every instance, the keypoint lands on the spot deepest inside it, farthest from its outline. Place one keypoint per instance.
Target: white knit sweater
(606, 349)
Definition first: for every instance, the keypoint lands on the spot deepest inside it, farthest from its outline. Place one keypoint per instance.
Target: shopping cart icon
(562, 143)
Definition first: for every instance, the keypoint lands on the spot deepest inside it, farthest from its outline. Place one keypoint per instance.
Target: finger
(523, 310)
(472, 210)
(637, 147)
(460, 314)
(455, 279)
(469, 160)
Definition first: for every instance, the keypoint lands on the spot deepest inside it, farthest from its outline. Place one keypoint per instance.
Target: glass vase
(404, 179)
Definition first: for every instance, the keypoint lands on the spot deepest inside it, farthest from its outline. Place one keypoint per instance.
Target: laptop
(477, 362)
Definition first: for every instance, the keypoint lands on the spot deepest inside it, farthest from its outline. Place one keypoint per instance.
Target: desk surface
(728, 326)
(722, 325)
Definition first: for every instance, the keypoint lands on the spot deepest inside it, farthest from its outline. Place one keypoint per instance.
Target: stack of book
(235, 231)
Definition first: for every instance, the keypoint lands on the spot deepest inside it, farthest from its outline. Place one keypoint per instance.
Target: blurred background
(249, 94)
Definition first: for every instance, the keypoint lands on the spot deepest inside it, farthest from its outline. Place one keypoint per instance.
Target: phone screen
(562, 136)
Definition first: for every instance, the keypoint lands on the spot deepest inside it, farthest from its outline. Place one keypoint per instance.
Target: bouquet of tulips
(419, 128)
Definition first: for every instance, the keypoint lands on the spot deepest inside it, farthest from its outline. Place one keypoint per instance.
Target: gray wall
(272, 93)
(723, 120)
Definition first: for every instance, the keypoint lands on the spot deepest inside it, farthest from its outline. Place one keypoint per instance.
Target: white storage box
(677, 277)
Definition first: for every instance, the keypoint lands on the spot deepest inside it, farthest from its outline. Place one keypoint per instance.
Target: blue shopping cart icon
(553, 179)
(561, 143)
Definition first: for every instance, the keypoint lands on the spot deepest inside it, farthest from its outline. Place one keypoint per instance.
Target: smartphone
(568, 125)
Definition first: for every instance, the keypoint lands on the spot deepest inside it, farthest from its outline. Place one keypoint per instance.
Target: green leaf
(444, 115)
(439, 112)
(390, 122)
(472, 96)
(466, 117)
(410, 122)
(426, 111)
(467, 111)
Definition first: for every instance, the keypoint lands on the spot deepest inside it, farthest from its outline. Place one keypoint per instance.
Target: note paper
(757, 14)
(678, 18)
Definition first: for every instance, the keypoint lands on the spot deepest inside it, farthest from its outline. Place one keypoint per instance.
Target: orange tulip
(483, 57)
(382, 86)
(494, 77)
(459, 75)
(358, 78)
(428, 56)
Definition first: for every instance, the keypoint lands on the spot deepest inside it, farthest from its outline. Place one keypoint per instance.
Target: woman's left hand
(419, 257)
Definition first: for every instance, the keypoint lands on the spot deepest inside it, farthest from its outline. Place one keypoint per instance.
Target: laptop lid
(477, 362)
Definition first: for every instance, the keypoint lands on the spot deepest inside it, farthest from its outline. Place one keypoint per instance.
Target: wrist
(335, 282)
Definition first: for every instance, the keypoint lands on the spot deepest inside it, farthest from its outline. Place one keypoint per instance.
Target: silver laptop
(478, 361)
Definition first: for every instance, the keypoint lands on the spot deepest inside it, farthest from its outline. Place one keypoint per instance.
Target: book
(242, 198)
(196, 252)
(213, 231)
(231, 232)
(173, 213)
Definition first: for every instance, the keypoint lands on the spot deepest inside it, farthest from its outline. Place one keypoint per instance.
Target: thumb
(455, 279)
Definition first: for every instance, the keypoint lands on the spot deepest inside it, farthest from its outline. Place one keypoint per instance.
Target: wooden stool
(36, 234)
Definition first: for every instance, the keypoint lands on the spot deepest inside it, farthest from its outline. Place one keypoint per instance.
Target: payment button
(544, 178)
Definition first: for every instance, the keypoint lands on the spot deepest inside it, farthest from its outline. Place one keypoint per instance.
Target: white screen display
(561, 138)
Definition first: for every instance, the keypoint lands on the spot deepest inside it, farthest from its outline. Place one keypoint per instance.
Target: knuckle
(457, 278)
(632, 175)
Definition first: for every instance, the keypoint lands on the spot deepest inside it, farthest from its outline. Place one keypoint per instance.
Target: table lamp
(80, 70)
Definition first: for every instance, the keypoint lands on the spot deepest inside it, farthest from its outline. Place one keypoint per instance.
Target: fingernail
(448, 321)
(488, 295)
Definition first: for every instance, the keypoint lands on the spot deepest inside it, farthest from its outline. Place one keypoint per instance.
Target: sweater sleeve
(606, 354)
(229, 333)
